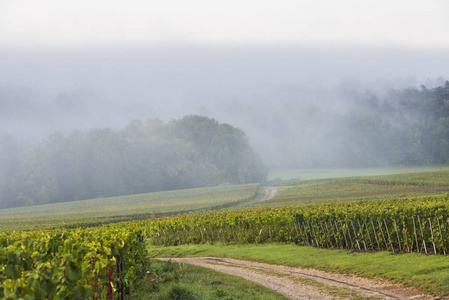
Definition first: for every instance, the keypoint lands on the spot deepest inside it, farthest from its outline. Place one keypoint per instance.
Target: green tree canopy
(191, 152)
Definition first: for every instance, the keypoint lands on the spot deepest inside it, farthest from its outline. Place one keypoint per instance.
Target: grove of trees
(191, 152)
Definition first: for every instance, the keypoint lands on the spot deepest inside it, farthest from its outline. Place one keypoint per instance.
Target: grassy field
(114, 209)
(305, 192)
(428, 273)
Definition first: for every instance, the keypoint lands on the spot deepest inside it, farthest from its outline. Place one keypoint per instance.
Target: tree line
(191, 152)
(405, 127)
(356, 129)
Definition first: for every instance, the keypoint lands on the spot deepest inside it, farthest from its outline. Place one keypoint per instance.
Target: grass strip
(428, 273)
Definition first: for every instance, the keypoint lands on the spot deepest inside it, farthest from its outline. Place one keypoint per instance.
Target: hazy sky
(96, 23)
(76, 64)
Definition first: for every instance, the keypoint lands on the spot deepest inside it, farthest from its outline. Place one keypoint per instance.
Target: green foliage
(357, 188)
(61, 264)
(292, 174)
(407, 126)
(188, 153)
(407, 224)
(226, 147)
(122, 208)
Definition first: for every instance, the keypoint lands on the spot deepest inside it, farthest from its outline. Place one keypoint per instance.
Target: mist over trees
(341, 128)
(403, 127)
(191, 152)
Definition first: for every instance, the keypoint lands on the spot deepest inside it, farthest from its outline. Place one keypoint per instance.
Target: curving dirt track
(298, 283)
(270, 192)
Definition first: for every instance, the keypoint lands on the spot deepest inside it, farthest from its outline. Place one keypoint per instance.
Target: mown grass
(123, 208)
(428, 273)
(169, 281)
(360, 188)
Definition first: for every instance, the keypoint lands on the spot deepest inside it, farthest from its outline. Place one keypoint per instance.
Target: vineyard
(360, 188)
(418, 224)
(115, 209)
(327, 173)
(97, 262)
(72, 264)
(109, 261)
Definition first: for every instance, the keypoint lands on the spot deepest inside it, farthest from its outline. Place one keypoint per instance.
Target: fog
(281, 96)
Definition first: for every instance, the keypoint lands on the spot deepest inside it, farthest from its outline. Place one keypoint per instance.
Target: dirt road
(298, 283)
(270, 192)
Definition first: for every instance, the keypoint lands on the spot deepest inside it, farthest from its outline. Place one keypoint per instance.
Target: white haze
(76, 65)
(250, 87)
(114, 23)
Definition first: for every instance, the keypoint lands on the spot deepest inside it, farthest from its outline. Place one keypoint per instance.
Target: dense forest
(194, 151)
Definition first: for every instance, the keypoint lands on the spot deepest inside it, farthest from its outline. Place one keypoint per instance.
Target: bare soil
(299, 283)
(270, 192)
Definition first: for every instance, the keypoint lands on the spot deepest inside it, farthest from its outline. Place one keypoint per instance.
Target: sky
(74, 65)
(85, 23)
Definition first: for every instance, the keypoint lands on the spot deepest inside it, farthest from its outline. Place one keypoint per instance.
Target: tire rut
(299, 283)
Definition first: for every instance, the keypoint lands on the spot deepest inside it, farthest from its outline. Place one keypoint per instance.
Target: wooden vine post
(375, 235)
(422, 235)
(442, 238)
(344, 234)
(397, 234)
(433, 240)
(416, 236)
(369, 235)
(361, 233)
(388, 232)
(349, 233)
(383, 236)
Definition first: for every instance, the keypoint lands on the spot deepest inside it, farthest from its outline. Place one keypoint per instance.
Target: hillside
(131, 207)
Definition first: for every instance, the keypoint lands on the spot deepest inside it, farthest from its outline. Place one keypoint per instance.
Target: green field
(114, 209)
(321, 173)
(318, 191)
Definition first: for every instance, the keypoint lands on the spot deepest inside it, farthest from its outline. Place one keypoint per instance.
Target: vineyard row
(90, 263)
(429, 235)
(401, 225)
